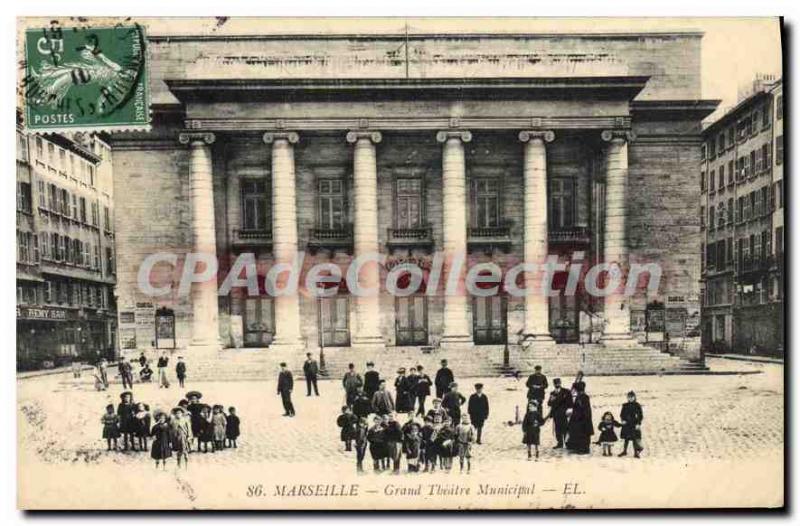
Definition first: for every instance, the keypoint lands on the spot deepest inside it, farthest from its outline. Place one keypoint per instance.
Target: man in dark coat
(403, 400)
(310, 371)
(631, 417)
(452, 402)
(444, 377)
(422, 389)
(126, 373)
(580, 428)
(478, 409)
(560, 400)
(537, 386)
(382, 403)
(351, 382)
(371, 380)
(285, 386)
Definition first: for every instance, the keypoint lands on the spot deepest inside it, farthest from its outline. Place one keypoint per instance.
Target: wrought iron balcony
(252, 236)
(489, 237)
(331, 238)
(570, 235)
(410, 237)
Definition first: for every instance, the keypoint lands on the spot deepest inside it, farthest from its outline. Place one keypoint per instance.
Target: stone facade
(501, 148)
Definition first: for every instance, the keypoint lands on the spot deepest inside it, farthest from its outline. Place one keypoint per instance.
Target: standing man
(371, 380)
(537, 386)
(163, 361)
(310, 371)
(126, 372)
(382, 403)
(452, 403)
(102, 368)
(180, 371)
(478, 409)
(351, 382)
(285, 386)
(560, 400)
(422, 389)
(403, 400)
(444, 377)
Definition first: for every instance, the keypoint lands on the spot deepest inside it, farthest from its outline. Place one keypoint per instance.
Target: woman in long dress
(580, 428)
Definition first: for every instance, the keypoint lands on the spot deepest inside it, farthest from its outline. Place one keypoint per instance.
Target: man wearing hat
(310, 371)
(537, 386)
(559, 402)
(478, 409)
(285, 386)
(371, 380)
(422, 389)
(444, 377)
(403, 401)
(452, 402)
(180, 371)
(351, 382)
(125, 412)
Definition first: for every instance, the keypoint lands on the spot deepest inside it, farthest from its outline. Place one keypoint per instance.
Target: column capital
(462, 135)
(354, 136)
(617, 135)
(532, 135)
(189, 137)
(271, 137)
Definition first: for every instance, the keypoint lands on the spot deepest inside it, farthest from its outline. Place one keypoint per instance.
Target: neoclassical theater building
(501, 148)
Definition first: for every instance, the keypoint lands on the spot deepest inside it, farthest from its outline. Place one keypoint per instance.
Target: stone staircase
(480, 361)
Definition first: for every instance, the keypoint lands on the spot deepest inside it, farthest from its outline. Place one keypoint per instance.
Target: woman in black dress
(580, 428)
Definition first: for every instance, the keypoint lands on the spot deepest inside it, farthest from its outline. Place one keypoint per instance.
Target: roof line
(421, 36)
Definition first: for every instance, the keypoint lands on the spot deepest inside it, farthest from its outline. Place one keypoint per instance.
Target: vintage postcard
(400, 263)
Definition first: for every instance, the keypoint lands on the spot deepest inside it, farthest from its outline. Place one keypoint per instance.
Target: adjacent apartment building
(742, 207)
(66, 308)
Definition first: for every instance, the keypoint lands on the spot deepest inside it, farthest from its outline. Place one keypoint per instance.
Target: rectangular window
(779, 108)
(51, 154)
(331, 204)
(109, 261)
(712, 181)
(752, 164)
(731, 173)
(779, 149)
(702, 216)
(765, 116)
(486, 202)
(711, 213)
(562, 202)
(65, 208)
(107, 218)
(409, 203)
(83, 210)
(702, 180)
(74, 207)
(255, 215)
(62, 160)
(91, 175)
(730, 210)
(24, 197)
(39, 149)
(721, 176)
(42, 194)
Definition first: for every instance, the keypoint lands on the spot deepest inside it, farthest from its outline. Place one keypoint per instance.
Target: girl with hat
(162, 448)
(194, 407)
(110, 426)
(141, 424)
(531, 426)
(206, 429)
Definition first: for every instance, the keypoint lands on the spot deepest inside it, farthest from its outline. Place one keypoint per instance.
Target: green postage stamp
(86, 79)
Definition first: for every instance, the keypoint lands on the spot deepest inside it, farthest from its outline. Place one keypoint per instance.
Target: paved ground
(697, 429)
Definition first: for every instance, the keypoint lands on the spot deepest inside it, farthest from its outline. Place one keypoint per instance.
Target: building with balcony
(65, 250)
(502, 148)
(741, 184)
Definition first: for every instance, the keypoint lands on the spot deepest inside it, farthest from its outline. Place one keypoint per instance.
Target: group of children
(190, 423)
(433, 442)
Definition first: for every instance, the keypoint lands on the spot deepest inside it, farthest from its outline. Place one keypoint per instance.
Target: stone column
(537, 313)
(205, 308)
(365, 238)
(457, 323)
(288, 336)
(615, 250)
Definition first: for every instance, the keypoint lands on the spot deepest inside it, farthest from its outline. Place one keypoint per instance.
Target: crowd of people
(125, 368)
(191, 426)
(369, 419)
